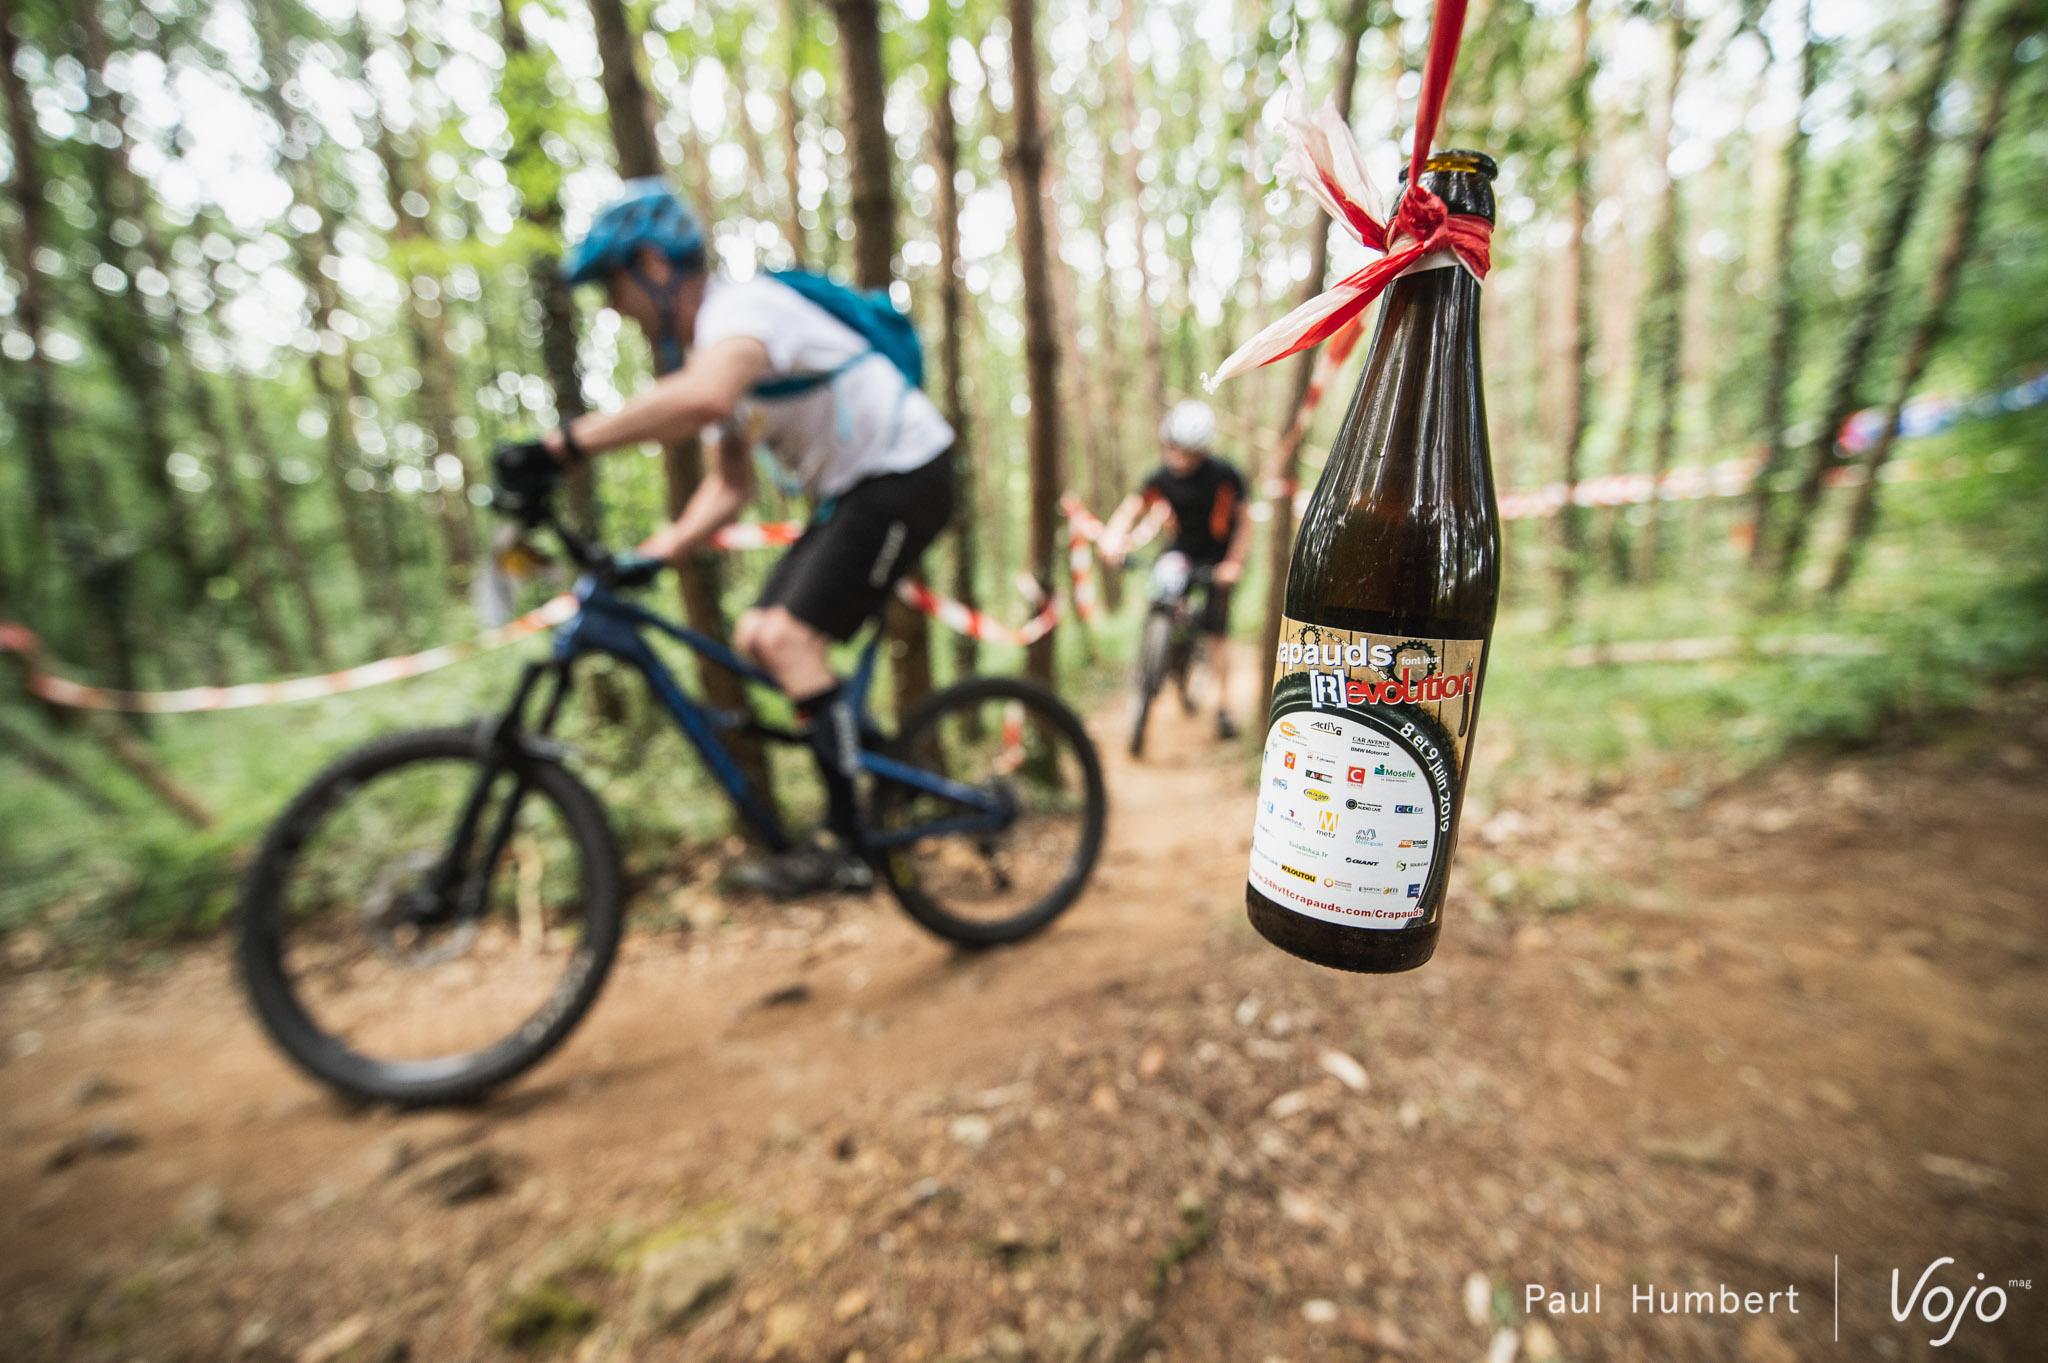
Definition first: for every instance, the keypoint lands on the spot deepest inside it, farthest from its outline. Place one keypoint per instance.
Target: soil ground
(1673, 1040)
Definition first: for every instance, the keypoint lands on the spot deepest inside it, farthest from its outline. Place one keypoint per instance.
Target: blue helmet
(646, 213)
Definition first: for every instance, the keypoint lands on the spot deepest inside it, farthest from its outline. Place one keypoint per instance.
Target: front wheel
(1155, 646)
(1017, 743)
(395, 970)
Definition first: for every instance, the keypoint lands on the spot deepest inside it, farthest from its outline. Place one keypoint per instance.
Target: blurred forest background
(277, 275)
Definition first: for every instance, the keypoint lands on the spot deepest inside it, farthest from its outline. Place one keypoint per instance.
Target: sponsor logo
(1298, 875)
(1332, 883)
(1406, 809)
(1414, 891)
(1355, 775)
(1384, 770)
(1289, 730)
(1366, 805)
(1312, 774)
(1369, 836)
(1951, 1312)
(1287, 760)
(1326, 820)
(1269, 806)
(1324, 726)
(1360, 861)
(1279, 783)
(1316, 795)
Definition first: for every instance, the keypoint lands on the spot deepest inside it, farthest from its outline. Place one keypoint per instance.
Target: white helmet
(1190, 425)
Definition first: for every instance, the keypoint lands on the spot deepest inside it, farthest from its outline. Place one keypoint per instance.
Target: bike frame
(608, 624)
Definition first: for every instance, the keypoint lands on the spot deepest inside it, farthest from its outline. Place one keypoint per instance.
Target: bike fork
(456, 864)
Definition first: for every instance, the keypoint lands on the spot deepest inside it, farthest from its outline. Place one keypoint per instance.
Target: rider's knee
(746, 633)
(781, 638)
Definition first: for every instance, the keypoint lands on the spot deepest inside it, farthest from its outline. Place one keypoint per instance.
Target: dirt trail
(1675, 1046)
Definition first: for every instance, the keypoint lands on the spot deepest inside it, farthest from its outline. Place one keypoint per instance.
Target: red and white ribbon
(1323, 157)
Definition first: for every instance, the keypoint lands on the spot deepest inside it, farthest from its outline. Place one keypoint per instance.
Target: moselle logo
(1414, 891)
(1298, 875)
(1287, 760)
(1289, 729)
(1360, 861)
(1406, 809)
(1952, 1311)
(1312, 774)
(1316, 795)
(1369, 836)
(1355, 775)
(1366, 805)
(1326, 820)
(1324, 726)
(1384, 770)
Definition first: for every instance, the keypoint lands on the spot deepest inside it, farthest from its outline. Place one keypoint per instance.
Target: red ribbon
(1422, 223)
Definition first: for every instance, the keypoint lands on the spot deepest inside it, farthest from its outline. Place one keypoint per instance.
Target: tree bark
(279, 514)
(1571, 521)
(1041, 344)
(1664, 315)
(1941, 291)
(1280, 468)
(1784, 294)
(1148, 316)
(699, 579)
(1902, 198)
(946, 160)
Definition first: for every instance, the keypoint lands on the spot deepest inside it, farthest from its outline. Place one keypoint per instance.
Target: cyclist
(1205, 497)
(756, 362)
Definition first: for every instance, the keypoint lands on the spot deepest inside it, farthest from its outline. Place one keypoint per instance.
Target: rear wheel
(386, 985)
(1016, 741)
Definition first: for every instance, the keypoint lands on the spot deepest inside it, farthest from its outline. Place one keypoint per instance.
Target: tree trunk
(243, 536)
(794, 27)
(1784, 295)
(375, 575)
(97, 579)
(1148, 316)
(699, 579)
(278, 513)
(1041, 344)
(126, 332)
(524, 94)
(1941, 290)
(1280, 468)
(1664, 316)
(946, 160)
(1902, 198)
(874, 255)
(1571, 523)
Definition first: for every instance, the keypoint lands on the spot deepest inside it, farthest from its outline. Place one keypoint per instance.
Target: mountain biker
(1205, 496)
(756, 362)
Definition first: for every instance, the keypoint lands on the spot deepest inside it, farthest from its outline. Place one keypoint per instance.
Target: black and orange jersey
(1206, 507)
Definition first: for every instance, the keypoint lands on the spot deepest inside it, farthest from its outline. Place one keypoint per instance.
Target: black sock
(835, 743)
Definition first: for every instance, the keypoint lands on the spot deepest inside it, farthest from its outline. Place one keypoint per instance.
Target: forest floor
(1672, 1039)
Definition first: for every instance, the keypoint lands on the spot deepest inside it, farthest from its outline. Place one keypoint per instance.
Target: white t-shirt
(868, 420)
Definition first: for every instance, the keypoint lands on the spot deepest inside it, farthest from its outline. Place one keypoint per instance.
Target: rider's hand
(1226, 573)
(636, 570)
(524, 475)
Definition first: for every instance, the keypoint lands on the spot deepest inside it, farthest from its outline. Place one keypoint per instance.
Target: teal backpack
(869, 313)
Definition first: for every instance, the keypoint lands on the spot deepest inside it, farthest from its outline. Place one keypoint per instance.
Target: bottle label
(1365, 756)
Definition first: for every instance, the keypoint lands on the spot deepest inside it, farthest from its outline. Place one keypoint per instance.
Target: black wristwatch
(575, 452)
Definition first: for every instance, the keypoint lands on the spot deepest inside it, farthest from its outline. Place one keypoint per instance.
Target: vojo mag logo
(1951, 1312)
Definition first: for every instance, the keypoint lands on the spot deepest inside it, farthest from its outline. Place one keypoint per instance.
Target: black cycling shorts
(838, 574)
(1214, 616)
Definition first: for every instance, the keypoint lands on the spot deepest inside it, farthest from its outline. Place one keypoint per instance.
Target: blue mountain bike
(437, 910)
